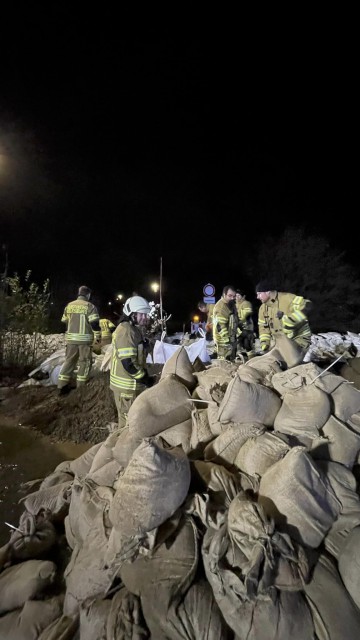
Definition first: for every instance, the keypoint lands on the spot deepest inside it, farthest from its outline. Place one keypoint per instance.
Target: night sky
(117, 150)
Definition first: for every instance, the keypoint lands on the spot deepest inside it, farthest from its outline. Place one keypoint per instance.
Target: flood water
(24, 456)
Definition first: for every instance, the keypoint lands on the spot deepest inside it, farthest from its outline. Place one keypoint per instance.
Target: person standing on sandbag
(282, 312)
(82, 327)
(225, 324)
(128, 375)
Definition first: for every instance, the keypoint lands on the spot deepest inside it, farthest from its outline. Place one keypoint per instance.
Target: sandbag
(180, 366)
(349, 565)
(200, 428)
(308, 518)
(54, 499)
(104, 453)
(34, 617)
(63, 628)
(86, 575)
(178, 435)
(225, 447)
(153, 486)
(24, 581)
(334, 613)
(337, 443)
(303, 411)
(126, 619)
(93, 619)
(81, 465)
(260, 452)
(249, 402)
(34, 536)
(160, 407)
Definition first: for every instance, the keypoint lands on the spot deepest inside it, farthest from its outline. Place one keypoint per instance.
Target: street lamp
(155, 287)
(119, 297)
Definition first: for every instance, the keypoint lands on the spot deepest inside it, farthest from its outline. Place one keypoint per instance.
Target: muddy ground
(84, 415)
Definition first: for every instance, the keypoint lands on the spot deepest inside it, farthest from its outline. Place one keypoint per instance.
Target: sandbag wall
(228, 507)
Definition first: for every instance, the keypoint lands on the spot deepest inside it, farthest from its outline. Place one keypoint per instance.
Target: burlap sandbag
(200, 428)
(160, 407)
(34, 536)
(63, 628)
(54, 499)
(349, 564)
(28, 623)
(127, 442)
(295, 378)
(93, 619)
(351, 371)
(24, 581)
(126, 619)
(179, 365)
(211, 377)
(81, 465)
(249, 402)
(299, 498)
(57, 477)
(89, 512)
(225, 447)
(337, 443)
(303, 411)
(104, 454)
(260, 452)
(335, 615)
(178, 435)
(153, 486)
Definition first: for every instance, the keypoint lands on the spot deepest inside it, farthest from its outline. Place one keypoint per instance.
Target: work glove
(148, 381)
(279, 314)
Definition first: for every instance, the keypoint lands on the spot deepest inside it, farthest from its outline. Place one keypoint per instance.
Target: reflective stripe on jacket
(78, 316)
(127, 343)
(107, 328)
(225, 323)
(294, 323)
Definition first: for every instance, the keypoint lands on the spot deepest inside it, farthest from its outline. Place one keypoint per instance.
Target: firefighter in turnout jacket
(225, 324)
(128, 375)
(282, 312)
(107, 329)
(82, 325)
(245, 333)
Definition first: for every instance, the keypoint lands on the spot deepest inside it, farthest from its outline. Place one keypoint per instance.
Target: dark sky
(117, 150)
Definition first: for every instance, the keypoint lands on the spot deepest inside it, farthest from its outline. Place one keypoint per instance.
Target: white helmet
(136, 304)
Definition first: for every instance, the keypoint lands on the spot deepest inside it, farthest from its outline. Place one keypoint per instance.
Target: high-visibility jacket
(244, 309)
(209, 319)
(107, 327)
(225, 323)
(82, 321)
(294, 323)
(128, 345)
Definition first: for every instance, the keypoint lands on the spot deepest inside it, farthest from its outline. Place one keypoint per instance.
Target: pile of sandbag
(227, 508)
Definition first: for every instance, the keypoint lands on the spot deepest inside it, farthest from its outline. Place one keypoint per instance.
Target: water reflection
(24, 456)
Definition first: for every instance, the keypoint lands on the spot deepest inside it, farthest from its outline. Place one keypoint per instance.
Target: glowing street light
(155, 287)
(119, 296)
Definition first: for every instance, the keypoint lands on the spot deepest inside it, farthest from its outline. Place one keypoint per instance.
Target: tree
(307, 265)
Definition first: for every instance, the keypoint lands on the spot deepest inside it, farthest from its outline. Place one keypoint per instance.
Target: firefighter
(107, 329)
(282, 312)
(207, 308)
(225, 324)
(128, 375)
(82, 327)
(245, 333)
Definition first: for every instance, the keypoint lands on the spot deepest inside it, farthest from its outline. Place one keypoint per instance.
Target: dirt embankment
(80, 416)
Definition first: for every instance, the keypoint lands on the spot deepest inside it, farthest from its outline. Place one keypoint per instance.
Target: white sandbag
(249, 402)
(153, 486)
(163, 351)
(308, 518)
(93, 619)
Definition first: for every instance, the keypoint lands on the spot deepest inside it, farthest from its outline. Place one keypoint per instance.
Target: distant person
(207, 308)
(225, 324)
(282, 312)
(107, 329)
(82, 327)
(246, 336)
(128, 374)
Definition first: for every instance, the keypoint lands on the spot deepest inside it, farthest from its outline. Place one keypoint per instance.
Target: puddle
(24, 456)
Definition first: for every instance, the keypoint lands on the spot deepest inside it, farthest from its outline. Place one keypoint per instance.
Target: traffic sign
(209, 290)
(209, 299)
